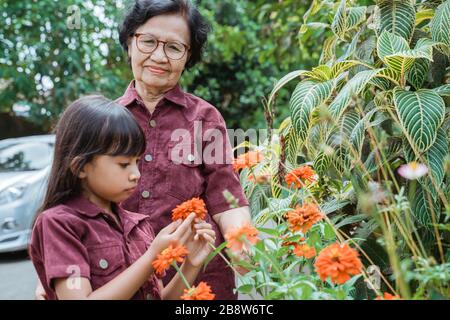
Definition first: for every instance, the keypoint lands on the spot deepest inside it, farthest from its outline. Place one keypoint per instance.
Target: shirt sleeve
(61, 251)
(218, 169)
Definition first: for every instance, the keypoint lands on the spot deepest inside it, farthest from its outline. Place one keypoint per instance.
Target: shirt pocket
(106, 262)
(184, 173)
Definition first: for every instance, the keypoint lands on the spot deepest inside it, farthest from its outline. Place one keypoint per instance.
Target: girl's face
(111, 178)
(155, 70)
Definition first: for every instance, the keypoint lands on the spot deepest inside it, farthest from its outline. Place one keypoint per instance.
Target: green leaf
(333, 205)
(443, 90)
(246, 288)
(421, 113)
(424, 206)
(319, 73)
(355, 16)
(397, 17)
(329, 232)
(282, 82)
(357, 134)
(213, 254)
(418, 72)
(440, 24)
(433, 159)
(397, 55)
(306, 97)
(342, 66)
(322, 162)
(329, 49)
(353, 87)
(340, 20)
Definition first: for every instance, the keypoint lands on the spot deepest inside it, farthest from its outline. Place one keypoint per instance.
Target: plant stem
(186, 283)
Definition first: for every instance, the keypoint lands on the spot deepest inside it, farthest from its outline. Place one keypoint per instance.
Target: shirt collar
(175, 95)
(85, 207)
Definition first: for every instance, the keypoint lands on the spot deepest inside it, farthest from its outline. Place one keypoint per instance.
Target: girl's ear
(77, 167)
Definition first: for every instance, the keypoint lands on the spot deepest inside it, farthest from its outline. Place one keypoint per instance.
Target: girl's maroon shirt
(78, 239)
(168, 177)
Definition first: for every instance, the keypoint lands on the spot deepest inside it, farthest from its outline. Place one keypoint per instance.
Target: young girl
(84, 245)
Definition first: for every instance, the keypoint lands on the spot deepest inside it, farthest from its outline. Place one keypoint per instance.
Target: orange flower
(286, 243)
(169, 255)
(183, 210)
(247, 160)
(304, 217)
(201, 292)
(338, 262)
(236, 237)
(299, 176)
(303, 250)
(388, 296)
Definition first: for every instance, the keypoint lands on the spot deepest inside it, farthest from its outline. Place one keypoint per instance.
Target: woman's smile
(156, 70)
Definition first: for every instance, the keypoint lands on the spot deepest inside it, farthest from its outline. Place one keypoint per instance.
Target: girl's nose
(135, 175)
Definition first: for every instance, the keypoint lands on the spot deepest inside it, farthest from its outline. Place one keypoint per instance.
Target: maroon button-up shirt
(78, 239)
(179, 164)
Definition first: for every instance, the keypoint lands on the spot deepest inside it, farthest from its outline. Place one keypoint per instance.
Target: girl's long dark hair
(90, 126)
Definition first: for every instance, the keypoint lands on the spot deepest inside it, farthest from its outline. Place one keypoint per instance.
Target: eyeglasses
(146, 43)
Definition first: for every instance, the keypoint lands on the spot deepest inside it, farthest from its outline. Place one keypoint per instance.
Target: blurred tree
(52, 52)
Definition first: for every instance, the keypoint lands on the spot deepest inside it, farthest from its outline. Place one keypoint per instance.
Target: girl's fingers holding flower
(185, 226)
(202, 225)
(209, 238)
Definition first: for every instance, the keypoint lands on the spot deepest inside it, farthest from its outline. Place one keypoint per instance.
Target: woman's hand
(177, 233)
(199, 244)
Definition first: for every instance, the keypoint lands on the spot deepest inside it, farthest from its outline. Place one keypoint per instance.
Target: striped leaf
(433, 159)
(340, 20)
(397, 17)
(421, 113)
(440, 24)
(357, 134)
(418, 72)
(322, 162)
(443, 90)
(390, 75)
(319, 73)
(282, 82)
(342, 66)
(395, 52)
(355, 16)
(306, 97)
(353, 87)
(329, 50)
(423, 15)
(424, 206)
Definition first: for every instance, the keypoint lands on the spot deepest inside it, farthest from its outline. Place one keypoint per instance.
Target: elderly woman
(162, 38)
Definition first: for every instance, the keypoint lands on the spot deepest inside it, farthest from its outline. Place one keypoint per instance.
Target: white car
(24, 169)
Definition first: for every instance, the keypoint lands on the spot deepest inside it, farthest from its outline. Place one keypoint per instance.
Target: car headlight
(13, 193)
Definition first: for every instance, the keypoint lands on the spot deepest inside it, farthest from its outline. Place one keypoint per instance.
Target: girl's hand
(198, 244)
(176, 233)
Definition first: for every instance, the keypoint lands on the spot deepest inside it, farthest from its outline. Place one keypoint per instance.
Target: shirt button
(152, 123)
(191, 157)
(145, 194)
(148, 157)
(149, 296)
(103, 264)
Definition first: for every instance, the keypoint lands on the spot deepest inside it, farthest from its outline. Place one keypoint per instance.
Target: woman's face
(156, 71)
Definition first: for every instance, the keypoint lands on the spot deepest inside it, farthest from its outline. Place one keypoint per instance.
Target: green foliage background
(253, 43)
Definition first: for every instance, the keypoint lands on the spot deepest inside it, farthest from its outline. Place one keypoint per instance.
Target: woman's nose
(159, 55)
